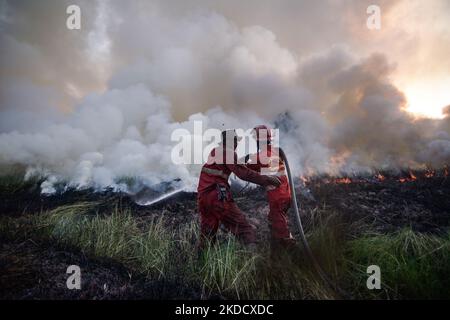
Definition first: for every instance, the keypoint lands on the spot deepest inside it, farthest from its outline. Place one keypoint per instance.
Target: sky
(93, 105)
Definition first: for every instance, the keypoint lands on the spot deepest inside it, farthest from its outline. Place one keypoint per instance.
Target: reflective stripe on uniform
(214, 172)
(273, 174)
(269, 172)
(276, 174)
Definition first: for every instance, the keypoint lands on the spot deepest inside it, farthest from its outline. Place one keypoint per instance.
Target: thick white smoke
(149, 70)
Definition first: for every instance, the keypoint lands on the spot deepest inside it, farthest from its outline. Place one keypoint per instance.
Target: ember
(304, 179)
(411, 178)
(429, 173)
(343, 180)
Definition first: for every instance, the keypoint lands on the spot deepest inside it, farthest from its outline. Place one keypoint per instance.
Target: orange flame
(411, 177)
(343, 180)
(429, 173)
(304, 179)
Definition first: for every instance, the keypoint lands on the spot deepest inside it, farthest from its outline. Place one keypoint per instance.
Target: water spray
(161, 197)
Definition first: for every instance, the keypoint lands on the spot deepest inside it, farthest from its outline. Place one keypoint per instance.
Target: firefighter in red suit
(268, 162)
(215, 202)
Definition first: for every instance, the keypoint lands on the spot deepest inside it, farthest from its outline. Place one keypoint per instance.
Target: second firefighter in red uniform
(268, 162)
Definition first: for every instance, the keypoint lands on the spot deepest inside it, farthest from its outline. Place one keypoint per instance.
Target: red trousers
(214, 212)
(278, 220)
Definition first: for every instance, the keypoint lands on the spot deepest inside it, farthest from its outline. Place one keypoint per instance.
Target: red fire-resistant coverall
(215, 201)
(269, 162)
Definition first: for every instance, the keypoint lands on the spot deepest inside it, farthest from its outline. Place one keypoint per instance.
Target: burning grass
(158, 245)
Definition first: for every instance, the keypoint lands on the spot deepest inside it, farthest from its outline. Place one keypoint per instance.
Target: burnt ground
(30, 270)
(423, 204)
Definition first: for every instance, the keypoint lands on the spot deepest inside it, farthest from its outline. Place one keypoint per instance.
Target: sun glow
(427, 99)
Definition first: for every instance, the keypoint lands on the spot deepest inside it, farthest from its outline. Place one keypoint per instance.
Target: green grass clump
(14, 182)
(413, 265)
(228, 268)
(115, 236)
(152, 249)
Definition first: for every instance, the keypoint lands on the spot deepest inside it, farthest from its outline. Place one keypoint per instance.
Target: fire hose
(308, 250)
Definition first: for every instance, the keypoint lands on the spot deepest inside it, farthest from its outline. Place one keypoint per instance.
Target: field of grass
(413, 265)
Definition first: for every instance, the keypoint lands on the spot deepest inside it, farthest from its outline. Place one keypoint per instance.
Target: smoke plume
(96, 106)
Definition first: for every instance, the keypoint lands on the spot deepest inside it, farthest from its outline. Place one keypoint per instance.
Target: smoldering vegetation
(126, 251)
(110, 113)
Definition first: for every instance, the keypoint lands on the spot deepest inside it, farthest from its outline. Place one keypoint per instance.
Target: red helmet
(262, 133)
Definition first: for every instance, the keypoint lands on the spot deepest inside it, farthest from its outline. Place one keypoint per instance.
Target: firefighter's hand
(272, 181)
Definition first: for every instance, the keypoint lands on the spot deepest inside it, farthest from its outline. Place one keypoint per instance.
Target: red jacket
(270, 163)
(217, 172)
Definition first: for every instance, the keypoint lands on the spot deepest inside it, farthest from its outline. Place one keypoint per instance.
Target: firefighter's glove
(272, 181)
